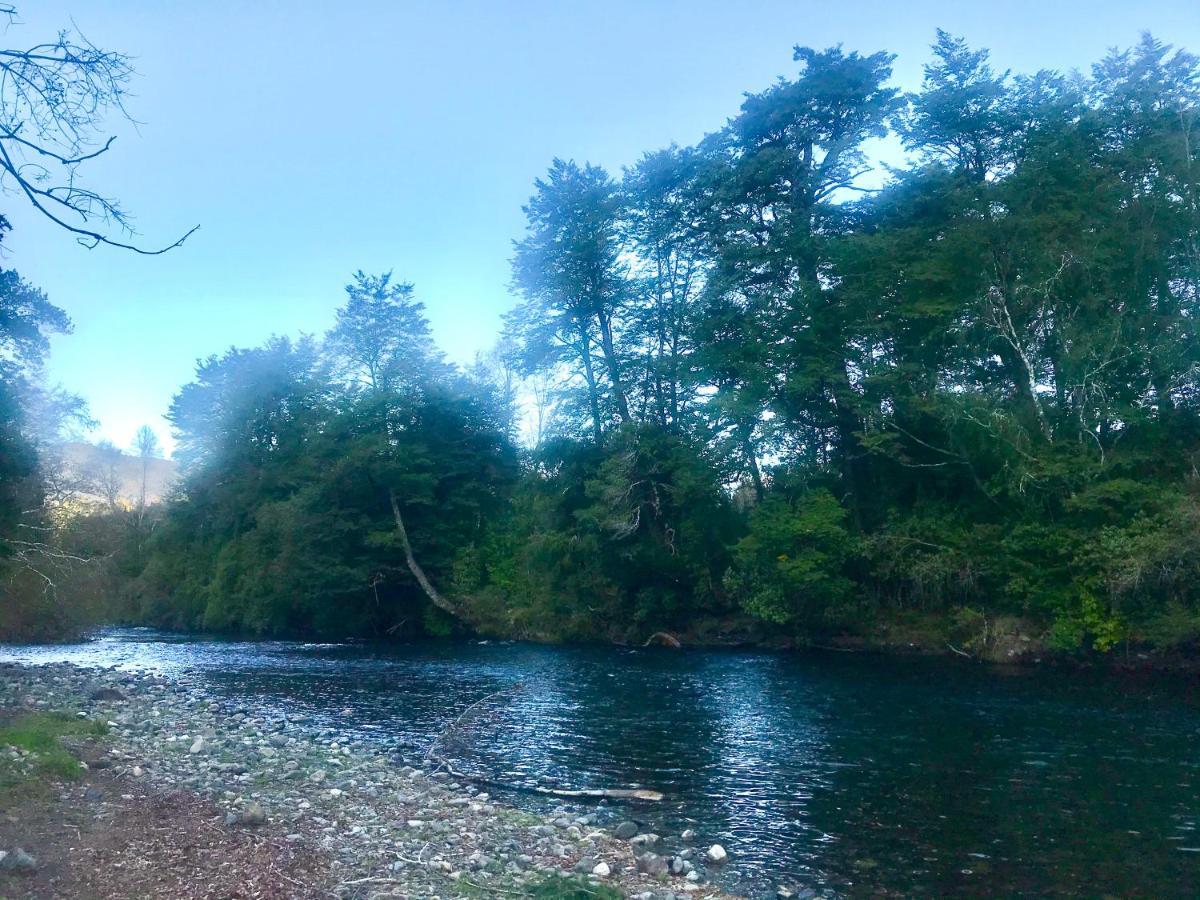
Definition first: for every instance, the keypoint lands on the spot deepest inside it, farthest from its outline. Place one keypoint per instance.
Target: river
(843, 773)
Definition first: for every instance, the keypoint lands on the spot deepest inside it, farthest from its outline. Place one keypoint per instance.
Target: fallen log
(642, 794)
(432, 755)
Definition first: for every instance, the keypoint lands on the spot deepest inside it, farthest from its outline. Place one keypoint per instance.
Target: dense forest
(762, 388)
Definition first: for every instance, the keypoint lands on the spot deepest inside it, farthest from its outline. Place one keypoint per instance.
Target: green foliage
(790, 566)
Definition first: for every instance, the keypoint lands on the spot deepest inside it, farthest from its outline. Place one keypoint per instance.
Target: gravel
(381, 824)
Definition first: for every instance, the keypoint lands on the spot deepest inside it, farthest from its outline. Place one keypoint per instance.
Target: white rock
(602, 869)
(717, 854)
(197, 745)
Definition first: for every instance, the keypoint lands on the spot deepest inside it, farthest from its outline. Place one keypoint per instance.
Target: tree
(663, 210)
(104, 474)
(382, 339)
(54, 99)
(569, 273)
(778, 172)
(146, 446)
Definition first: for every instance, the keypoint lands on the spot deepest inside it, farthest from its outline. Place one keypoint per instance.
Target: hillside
(108, 472)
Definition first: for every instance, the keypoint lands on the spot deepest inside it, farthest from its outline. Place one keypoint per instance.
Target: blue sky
(312, 139)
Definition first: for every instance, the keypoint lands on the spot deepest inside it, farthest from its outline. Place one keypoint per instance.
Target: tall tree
(780, 168)
(569, 272)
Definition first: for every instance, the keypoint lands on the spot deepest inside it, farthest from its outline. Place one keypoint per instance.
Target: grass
(559, 887)
(552, 887)
(40, 734)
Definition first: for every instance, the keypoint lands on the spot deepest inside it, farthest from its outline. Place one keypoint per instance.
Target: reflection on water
(839, 772)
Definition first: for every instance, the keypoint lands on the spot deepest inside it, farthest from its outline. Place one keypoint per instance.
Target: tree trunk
(418, 573)
(614, 368)
(589, 374)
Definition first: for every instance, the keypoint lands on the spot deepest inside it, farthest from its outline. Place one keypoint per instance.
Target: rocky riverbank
(336, 817)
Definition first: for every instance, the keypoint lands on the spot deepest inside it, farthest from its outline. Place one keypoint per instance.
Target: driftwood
(578, 793)
(642, 794)
(663, 639)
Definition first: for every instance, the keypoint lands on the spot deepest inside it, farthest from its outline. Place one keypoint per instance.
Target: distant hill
(101, 471)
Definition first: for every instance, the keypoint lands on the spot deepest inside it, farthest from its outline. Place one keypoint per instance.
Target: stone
(646, 841)
(106, 693)
(197, 746)
(717, 854)
(651, 864)
(253, 816)
(601, 870)
(689, 835)
(18, 862)
(626, 830)
(317, 777)
(585, 865)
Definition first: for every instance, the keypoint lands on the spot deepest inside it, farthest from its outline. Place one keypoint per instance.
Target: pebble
(717, 854)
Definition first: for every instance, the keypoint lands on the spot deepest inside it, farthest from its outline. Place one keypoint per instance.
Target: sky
(309, 140)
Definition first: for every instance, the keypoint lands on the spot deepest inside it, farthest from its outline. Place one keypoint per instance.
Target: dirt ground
(104, 838)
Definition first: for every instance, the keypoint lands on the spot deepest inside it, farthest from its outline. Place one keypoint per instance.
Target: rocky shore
(375, 827)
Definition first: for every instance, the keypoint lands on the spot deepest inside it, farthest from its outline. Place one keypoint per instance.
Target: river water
(845, 773)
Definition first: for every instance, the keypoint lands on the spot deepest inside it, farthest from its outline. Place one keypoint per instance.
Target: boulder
(717, 854)
(106, 693)
(18, 862)
(626, 830)
(652, 864)
(253, 816)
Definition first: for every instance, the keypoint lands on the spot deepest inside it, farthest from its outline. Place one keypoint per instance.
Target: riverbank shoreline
(293, 803)
(1017, 646)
